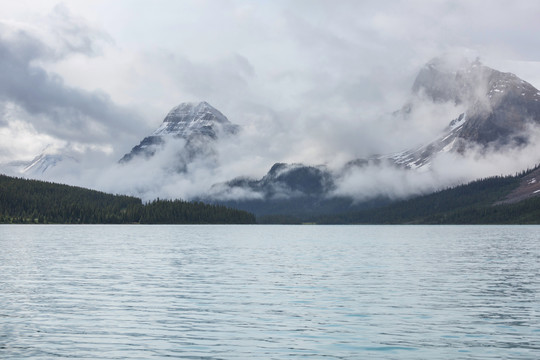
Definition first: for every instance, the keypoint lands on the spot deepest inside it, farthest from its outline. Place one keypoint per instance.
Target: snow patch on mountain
(188, 119)
(497, 110)
(41, 165)
(196, 125)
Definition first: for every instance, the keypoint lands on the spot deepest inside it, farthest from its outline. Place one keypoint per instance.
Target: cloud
(309, 81)
(447, 169)
(71, 34)
(197, 80)
(42, 99)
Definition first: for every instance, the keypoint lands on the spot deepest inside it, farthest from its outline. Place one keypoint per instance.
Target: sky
(308, 81)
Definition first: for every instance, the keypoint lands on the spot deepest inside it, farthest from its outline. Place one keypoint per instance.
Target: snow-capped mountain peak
(191, 118)
(42, 162)
(40, 166)
(197, 124)
(497, 109)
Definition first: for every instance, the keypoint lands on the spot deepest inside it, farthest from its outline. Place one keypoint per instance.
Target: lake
(269, 292)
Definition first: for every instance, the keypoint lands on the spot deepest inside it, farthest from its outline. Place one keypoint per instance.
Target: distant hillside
(484, 201)
(496, 200)
(31, 201)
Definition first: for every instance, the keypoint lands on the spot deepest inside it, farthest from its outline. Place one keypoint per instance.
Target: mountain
(292, 180)
(286, 189)
(45, 162)
(495, 200)
(492, 111)
(528, 187)
(498, 109)
(42, 164)
(191, 128)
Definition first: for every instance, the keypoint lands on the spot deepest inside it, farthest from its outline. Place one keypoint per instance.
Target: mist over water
(269, 292)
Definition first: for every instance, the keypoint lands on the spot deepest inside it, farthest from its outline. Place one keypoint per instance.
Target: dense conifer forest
(30, 201)
(473, 203)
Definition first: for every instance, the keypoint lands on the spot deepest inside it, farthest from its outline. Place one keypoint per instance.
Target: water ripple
(269, 292)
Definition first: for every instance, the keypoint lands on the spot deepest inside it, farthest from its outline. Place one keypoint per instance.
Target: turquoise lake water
(269, 292)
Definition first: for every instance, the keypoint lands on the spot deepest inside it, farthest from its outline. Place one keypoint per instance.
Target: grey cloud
(308, 80)
(447, 170)
(52, 106)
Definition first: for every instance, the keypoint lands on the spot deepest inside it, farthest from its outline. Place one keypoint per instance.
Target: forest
(25, 201)
(473, 203)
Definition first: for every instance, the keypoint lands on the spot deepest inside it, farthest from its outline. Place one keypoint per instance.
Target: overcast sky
(307, 80)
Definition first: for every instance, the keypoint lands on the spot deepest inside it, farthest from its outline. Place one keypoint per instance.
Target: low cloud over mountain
(491, 128)
(310, 88)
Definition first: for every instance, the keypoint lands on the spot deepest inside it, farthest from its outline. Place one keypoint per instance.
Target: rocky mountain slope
(286, 180)
(498, 108)
(192, 128)
(498, 105)
(287, 189)
(41, 165)
(495, 200)
(496, 112)
(529, 187)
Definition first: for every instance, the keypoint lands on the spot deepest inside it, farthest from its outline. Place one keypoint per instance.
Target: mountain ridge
(496, 110)
(495, 200)
(197, 124)
(499, 107)
(485, 95)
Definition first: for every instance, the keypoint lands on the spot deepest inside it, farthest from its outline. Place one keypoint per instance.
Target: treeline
(182, 212)
(30, 201)
(440, 207)
(472, 203)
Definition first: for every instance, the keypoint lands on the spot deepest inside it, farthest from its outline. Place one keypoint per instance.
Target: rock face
(529, 187)
(287, 189)
(194, 119)
(499, 105)
(511, 105)
(193, 127)
(421, 156)
(498, 109)
(495, 112)
(288, 180)
(41, 163)
(41, 166)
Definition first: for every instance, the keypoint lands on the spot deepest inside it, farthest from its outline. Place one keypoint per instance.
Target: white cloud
(309, 81)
